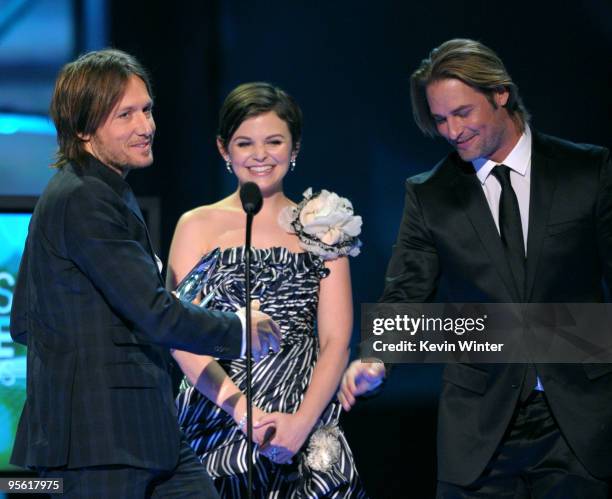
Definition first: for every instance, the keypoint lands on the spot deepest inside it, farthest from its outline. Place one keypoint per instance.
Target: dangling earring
(293, 164)
(228, 166)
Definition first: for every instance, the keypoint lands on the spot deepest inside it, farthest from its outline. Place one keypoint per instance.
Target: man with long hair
(506, 218)
(91, 306)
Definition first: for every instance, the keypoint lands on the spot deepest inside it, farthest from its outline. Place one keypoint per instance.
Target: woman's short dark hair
(86, 91)
(252, 99)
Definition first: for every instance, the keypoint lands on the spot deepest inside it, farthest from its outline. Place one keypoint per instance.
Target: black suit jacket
(91, 306)
(449, 250)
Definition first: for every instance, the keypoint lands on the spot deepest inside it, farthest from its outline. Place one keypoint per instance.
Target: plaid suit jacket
(91, 306)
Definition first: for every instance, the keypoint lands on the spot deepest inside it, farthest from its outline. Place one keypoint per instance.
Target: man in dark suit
(91, 306)
(510, 216)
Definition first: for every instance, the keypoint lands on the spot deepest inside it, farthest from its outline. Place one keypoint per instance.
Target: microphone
(250, 197)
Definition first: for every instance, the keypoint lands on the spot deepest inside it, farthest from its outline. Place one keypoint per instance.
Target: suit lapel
(130, 200)
(97, 169)
(472, 199)
(132, 204)
(543, 184)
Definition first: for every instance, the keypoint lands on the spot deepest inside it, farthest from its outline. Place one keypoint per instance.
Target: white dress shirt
(519, 162)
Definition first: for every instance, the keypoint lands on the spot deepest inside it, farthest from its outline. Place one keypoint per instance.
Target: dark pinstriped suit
(91, 306)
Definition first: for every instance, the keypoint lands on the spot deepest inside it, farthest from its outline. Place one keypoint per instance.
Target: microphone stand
(249, 354)
(250, 197)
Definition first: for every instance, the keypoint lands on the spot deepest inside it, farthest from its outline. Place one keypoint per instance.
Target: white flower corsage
(323, 449)
(324, 223)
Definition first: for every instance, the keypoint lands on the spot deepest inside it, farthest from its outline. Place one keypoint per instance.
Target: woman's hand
(262, 434)
(292, 430)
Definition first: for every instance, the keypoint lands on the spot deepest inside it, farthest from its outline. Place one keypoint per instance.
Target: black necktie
(511, 232)
(510, 228)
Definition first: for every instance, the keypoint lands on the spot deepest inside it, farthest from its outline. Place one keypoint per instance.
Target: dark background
(347, 63)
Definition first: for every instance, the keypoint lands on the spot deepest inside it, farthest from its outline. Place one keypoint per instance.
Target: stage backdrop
(13, 231)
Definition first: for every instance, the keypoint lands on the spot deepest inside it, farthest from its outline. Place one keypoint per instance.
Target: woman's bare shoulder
(209, 222)
(220, 211)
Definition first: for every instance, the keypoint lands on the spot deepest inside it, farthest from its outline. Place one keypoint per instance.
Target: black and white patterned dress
(287, 286)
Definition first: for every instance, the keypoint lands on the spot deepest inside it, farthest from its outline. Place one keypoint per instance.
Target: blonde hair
(475, 65)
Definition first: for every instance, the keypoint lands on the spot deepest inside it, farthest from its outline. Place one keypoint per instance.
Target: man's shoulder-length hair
(472, 63)
(86, 91)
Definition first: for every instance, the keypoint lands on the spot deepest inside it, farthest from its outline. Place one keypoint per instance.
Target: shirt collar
(518, 159)
(94, 167)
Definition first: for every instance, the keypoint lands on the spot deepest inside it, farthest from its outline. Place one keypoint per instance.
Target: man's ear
(86, 139)
(501, 96)
(222, 151)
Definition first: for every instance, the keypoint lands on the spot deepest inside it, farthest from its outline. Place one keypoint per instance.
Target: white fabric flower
(323, 448)
(286, 218)
(324, 223)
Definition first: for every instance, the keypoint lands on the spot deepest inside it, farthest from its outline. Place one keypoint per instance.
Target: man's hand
(265, 333)
(359, 378)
